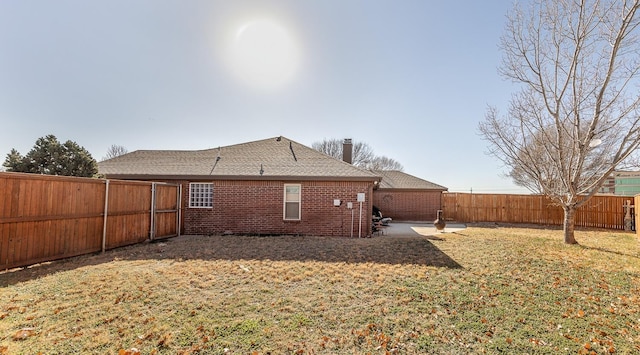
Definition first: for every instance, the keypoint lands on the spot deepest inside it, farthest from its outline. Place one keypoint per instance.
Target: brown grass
(490, 290)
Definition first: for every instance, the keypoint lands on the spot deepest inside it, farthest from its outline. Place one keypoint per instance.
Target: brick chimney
(347, 151)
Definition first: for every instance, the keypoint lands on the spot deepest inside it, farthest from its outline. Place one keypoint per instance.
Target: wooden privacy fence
(599, 212)
(44, 217)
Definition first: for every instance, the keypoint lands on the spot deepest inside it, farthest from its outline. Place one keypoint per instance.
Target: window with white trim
(200, 195)
(291, 209)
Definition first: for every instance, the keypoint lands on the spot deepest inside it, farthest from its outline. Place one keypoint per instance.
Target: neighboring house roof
(393, 179)
(626, 173)
(276, 158)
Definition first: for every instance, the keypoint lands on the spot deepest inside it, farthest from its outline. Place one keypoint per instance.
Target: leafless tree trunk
(576, 118)
(569, 224)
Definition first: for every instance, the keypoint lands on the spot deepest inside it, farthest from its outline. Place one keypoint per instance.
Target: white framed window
(291, 208)
(200, 195)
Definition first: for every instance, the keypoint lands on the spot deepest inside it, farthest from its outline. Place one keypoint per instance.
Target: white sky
(410, 78)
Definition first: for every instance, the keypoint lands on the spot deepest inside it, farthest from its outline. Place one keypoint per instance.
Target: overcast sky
(410, 78)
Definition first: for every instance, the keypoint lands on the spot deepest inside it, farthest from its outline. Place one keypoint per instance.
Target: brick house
(404, 197)
(270, 186)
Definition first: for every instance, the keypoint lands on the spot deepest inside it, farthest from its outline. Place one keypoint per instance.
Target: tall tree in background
(362, 156)
(49, 156)
(576, 117)
(14, 161)
(384, 163)
(362, 152)
(115, 151)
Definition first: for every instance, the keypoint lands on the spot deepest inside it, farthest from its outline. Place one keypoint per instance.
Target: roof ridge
(279, 156)
(235, 144)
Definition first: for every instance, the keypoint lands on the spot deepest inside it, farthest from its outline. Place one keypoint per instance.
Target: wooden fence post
(627, 215)
(152, 223)
(104, 218)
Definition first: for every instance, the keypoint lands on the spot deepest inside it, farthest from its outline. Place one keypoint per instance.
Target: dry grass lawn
(481, 290)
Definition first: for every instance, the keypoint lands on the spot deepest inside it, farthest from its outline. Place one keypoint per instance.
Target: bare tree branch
(576, 117)
(362, 157)
(115, 151)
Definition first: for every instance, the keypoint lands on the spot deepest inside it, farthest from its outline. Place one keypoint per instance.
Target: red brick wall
(256, 207)
(412, 205)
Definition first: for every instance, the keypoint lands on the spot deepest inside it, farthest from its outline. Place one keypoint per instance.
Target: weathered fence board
(45, 217)
(599, 212)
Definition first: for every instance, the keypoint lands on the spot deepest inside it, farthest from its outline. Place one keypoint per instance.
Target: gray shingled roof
(393, 179)
(278, 157)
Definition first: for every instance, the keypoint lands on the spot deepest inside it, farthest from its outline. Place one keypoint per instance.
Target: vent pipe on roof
(216, 162)
(347, 151)
(292, 152)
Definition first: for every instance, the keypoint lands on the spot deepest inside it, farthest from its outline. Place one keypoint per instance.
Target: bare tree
(331, 147)
(115, 151)
(576, 117)
(362, 157)
(362, 152)
(384, 163)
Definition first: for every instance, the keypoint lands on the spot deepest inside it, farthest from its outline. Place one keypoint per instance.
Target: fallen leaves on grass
(511, 289)
(24, 333)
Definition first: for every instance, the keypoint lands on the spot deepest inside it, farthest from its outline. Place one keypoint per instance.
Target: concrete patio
(427, 229)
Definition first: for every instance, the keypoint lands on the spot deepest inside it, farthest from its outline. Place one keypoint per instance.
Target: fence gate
(165, 210)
